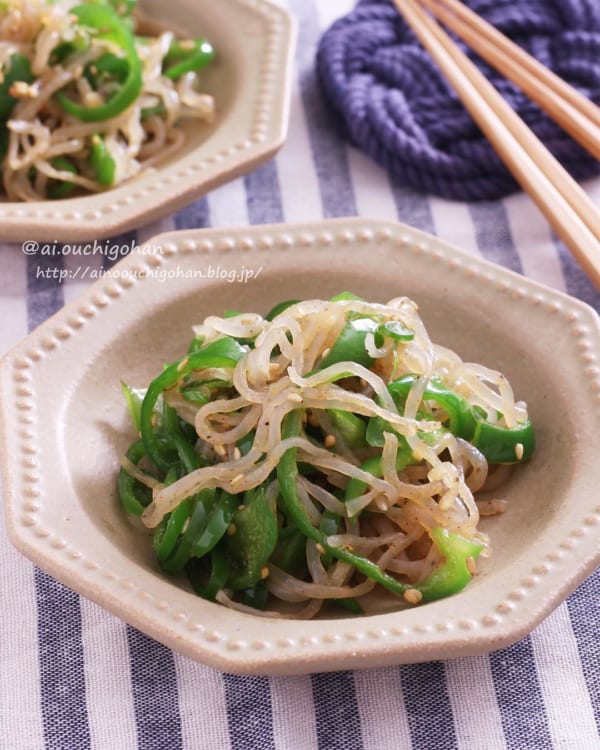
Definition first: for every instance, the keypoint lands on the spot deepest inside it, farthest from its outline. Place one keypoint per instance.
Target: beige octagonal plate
(251, 83)
(64, 428)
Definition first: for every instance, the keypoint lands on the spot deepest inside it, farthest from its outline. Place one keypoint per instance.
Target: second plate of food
(113, 114)
(371, 499)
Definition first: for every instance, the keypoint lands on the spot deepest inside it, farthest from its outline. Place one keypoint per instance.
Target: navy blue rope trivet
(394, 104)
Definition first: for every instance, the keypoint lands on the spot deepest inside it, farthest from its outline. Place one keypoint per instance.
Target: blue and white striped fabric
(74, 677)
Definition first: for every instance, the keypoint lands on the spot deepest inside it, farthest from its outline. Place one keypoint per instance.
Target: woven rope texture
(394, 104)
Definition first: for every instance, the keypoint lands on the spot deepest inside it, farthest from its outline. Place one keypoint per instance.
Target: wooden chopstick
(568, 209)
(563, 182)
(571, 110)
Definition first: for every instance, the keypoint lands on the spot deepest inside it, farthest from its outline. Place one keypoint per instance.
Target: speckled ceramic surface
(64, 427)
(251, 84)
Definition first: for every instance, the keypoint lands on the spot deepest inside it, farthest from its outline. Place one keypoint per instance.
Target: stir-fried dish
(87, 101)
(317, 454)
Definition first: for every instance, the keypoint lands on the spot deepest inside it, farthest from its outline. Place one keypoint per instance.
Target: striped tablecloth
(74, 677)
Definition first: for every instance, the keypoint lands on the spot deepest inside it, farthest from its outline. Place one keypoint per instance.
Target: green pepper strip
(103, 165)
(107, 66)
(18, 68)
(225, 352)
(59, 54)
(351, 428)
(281, 307)
(133, 398)
(256, 596)
(329, 527)
(373, 466)
(449, 577)
(350, 605)
(377, 427)
(156, 109)
(461, 421)
(127, 483)
(188, 55)
(218, 574)
(452, 575)
(195, 345)
(3, 141)
(290, 554)
(59, 189)
(167, 532)
(196, 522)
(122, 7)
(112, 29)
(346, 296)
(187, 455)
(253, 541)
(217, 524)
(498, 444)
(395, 330)
(350, 345)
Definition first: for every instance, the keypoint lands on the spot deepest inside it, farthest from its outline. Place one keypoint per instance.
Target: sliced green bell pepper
(453, 574)
(278, 309)
(253, 541)
(60, 189)
(499, 445)
(221, 516)
(461, 421)
(194, 524)
(185, 56)
(350, 345)
(103, 164)
(219, 571)
(17, 68)
(134, 496)
(224, 352)
(351, 428)
(108, 26)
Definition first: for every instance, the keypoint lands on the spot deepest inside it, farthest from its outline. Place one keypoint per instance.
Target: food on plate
(317, 454)
(87, 100)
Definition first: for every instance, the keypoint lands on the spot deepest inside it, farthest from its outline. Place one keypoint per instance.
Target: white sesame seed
(236, 480)
(519, 450)
(183, 364)
(237, 454)
(295, 397)
(219, 450)
(471, 565)
(329, 441)
(412, 596)
(264, 573)
(22, 90)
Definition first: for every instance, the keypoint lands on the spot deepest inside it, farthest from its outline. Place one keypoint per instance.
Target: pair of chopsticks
(567, 207)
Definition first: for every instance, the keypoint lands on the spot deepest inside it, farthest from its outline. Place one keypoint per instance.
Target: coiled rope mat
(395, 105)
